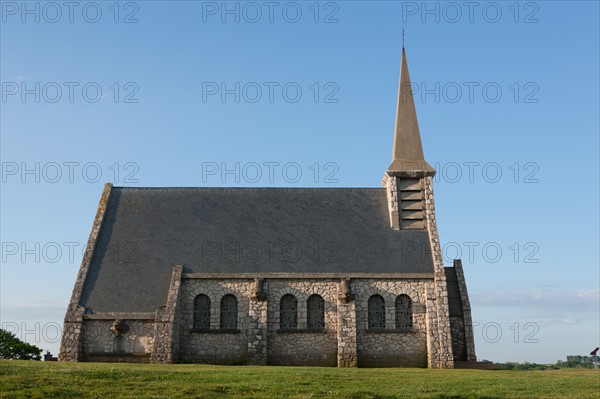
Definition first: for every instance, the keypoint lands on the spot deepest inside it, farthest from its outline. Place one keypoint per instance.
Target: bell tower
(404, 178)
(409, 185)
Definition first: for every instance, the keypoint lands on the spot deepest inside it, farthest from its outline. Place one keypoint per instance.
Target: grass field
(29, 379)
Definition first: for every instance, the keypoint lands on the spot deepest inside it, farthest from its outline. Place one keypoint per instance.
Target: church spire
(407, 156)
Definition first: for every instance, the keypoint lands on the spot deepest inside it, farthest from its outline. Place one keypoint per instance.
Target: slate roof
(146, 231)
(454, 301)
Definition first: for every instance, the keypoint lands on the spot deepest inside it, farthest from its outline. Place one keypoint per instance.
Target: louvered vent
(411, 204)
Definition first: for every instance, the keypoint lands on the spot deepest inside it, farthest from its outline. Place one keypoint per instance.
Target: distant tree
(528, 366)
(576, 361)
(12, 347)
(573, 361)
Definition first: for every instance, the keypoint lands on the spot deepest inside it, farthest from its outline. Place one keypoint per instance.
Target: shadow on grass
(369, 395)
(465, 397)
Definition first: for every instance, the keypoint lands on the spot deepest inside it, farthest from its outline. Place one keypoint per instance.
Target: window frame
(376, 317)
(292, 309)
(232, 314)
(201, 316)
(404, 313)
(315, 312)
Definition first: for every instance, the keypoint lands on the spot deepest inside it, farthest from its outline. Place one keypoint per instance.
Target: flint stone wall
(390, 347)
(459, 347)
(216, 346)
(259, 339)
(302, 348)
(440, 336)
(100, 343)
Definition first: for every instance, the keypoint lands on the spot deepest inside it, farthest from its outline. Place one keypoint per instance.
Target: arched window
(288, 312)
(404, 312)
(315, 307)
(202, 311)
(229, 311)
(376, 312)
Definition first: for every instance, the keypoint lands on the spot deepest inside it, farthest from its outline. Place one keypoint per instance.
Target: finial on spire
(403, 38)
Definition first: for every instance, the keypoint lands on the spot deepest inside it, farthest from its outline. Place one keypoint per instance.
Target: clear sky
(156, 93)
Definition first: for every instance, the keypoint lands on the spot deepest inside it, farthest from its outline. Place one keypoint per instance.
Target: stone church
(341, 277)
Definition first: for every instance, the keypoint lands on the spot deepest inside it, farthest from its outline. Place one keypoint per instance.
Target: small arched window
(229, 310)
(376, 312)
(404, 312)
(315, 312)
(202, 311)
(288, 312)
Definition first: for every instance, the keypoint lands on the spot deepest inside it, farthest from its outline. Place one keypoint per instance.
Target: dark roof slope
(146, 231)
(454, 301)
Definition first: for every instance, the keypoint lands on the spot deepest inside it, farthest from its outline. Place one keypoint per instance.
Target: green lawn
(29, 379)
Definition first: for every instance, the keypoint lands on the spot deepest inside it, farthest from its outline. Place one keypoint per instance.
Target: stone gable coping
(90, 247)
(312, 276)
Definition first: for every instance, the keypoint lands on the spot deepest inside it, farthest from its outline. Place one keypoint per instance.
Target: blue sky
(176, 93)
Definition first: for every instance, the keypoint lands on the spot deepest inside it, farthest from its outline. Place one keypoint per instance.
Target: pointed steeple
(407, 156)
